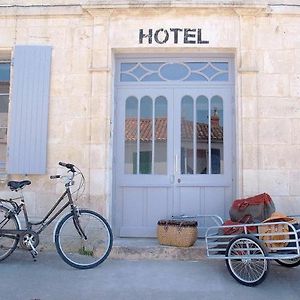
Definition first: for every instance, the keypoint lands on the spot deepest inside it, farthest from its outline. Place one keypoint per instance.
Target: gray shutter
(28, 123)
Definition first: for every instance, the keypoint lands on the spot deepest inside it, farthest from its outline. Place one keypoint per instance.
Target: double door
(173, 155)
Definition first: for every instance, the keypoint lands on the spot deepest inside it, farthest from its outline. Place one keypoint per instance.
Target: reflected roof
(161, 130)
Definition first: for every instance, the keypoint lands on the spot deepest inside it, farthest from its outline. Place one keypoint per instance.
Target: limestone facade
(263, 36)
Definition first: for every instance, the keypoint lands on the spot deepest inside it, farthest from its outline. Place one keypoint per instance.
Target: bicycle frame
(79, 245)
(47, 220)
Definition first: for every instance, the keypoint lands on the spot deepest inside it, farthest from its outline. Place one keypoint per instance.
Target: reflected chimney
(215, 118)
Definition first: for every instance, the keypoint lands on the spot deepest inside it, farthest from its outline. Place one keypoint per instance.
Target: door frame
(138, 57)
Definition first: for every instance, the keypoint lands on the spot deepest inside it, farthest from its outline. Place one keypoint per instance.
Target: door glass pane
(161, 135)
(202, 135)
(4, 101)
(146, 133)
(217, 143)
(131, 116)
(187, 135)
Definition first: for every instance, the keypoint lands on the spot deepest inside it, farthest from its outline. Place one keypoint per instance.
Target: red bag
(259, 208)
(237, 230)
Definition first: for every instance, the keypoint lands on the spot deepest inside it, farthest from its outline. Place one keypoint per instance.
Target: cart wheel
(289, 263)
(246, 260)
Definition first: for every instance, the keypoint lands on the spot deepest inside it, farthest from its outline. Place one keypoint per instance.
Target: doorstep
(149, 248)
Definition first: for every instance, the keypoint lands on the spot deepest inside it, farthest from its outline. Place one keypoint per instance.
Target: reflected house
(202, 149)
(160, 146)
(146, 141)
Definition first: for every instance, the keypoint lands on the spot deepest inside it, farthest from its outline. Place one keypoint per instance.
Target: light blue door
(173, 143)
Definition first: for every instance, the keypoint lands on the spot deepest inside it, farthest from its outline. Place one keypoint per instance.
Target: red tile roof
(161, 130)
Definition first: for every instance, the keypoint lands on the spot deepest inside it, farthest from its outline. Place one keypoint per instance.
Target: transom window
(4, 100)
(174, 71)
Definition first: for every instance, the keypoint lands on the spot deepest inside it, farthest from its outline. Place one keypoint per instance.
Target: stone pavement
(50, 278)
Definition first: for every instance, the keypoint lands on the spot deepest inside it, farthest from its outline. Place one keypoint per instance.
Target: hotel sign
(171, 35)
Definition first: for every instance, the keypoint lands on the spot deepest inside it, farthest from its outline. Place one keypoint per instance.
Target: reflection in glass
(4, 101)
(187, 135)
(161, 136)
(202, 135)
(146, 118)
(217, 149)
(131, 117)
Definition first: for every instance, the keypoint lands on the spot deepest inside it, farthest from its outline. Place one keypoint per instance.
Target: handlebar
(68, 166)
(68, 179)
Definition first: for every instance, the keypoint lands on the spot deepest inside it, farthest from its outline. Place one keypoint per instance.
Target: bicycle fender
(16, 216)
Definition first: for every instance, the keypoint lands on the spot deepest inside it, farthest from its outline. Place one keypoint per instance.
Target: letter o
(156, 36)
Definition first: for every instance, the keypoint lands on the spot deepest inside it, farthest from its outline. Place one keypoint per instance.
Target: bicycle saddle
(15, 185)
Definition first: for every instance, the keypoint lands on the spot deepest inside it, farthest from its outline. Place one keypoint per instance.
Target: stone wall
(266, 46)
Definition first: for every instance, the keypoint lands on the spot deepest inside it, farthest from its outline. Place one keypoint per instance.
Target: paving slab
(149, 248)
(50, 278)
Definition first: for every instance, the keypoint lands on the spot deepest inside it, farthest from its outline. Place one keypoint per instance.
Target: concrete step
(149, 248)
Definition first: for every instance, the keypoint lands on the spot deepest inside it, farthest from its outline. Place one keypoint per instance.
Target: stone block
(271, 28)
(250, 60)
(296, 131)
(99, 131)
(249, 107)
(276, 157)
(274, 182)
(99, 156)
(294, 183)
(273, 85)
(61, 59)
(295, 85)
(249, 131)
(278, 61)
(98, 182)
(287, 205)
(249, 84)
(250, 157)
(250, 183)
(274, 131)
(78, 84)
(277, 107)
(248, 32)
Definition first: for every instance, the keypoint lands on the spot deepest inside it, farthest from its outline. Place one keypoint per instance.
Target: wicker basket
(177, 232)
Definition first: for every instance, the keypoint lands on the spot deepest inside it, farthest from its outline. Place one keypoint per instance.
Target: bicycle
(83, 238)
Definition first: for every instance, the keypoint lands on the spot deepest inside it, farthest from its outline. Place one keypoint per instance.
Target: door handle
(172, 178)
(176, 164)
(178, 180)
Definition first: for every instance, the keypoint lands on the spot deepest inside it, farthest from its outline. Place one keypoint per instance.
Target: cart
(248, 252)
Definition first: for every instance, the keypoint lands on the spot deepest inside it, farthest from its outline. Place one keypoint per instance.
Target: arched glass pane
(146, 129)
(131, 117)
(202, 135)
(161, 135)
(217, 142)
(187, 135)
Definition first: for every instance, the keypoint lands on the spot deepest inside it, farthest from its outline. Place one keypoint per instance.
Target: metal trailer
(248, 253)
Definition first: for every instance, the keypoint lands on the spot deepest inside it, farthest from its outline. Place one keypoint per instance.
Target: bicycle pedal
(34, 254)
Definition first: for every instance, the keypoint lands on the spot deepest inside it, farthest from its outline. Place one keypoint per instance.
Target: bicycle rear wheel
(77, 250)
(8, 242)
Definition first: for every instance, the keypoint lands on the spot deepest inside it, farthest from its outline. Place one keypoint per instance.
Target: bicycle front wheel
(85, 244)
(8, 242)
